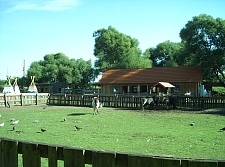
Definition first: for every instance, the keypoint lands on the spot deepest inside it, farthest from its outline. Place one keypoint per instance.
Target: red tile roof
(152, 75)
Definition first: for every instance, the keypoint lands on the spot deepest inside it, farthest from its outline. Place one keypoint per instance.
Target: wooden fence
(23, 99)
(134, 101)
(32, 154)
(117, 101)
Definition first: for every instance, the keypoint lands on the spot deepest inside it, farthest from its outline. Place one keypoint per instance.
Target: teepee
(16, 87)
(8, 89)
(32, 88)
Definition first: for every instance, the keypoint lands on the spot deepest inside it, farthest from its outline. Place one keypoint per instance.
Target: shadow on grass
(78, 114)
(216, 111)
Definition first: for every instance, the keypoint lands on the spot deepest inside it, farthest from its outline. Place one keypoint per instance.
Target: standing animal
(147, 102)
(95, 105)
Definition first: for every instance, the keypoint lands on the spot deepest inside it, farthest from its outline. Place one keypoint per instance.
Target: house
(56, 87)
(139, 81)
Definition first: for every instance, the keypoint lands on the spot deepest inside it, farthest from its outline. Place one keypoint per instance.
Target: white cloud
(8, 6)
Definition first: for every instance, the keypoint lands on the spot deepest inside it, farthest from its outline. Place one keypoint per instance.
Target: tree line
(202, 44)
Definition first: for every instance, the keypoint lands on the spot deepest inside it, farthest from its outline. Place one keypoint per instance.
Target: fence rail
(117, 101)
(134, 101)
(23, 99)
(32, 153)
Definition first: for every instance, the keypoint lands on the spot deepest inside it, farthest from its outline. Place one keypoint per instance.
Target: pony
(95, 105)
(148, 102)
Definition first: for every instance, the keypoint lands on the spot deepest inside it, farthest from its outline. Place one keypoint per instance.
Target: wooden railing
(117, 101)
(120, 101)
(23, 99)
(32, 153)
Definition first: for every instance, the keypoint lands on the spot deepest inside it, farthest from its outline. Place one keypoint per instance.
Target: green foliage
(204, 40)
(219, 91)
(115, 50)
(2, 83)
(153, 132)
(86, 73)
(23, 84)
(165, 54)
(59, 68)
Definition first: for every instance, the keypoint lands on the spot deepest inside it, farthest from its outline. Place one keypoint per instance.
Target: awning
(164, 84)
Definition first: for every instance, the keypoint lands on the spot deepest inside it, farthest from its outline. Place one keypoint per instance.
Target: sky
(30, 29)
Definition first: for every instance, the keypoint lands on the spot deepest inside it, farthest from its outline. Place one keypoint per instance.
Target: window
(134, 89)
(177, 88)
(144, 88)
(124, 89)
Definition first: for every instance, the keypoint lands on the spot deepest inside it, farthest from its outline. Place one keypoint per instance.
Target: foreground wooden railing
(78, 157)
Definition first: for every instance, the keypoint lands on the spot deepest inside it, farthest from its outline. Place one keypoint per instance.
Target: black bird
(223, 129)
(43, 130)
(192, 124)
(78, 128)
(19, 131)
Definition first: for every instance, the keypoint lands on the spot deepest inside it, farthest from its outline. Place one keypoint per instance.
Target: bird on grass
(64, 119)
(14, 127)
(192, 124)
(12, 119)
(15, 122)
(19, 131)
(43, 130)
(36, 121)
(78, 128)
(2, 124)
(223, 129)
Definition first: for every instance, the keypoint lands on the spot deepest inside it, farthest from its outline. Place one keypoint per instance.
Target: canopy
(164, 84)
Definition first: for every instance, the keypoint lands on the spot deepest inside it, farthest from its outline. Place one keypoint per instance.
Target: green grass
(151, 132)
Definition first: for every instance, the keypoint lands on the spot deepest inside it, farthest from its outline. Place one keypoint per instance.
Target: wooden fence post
(73, 157)
(121, 160)
(31, 155)
(36, 98)
(139, 160)
(221, 163)
(1, 152)
(52, 156)
(64, 100)
(103, 159)
(9, 153)
(171, 162)
(202, 163)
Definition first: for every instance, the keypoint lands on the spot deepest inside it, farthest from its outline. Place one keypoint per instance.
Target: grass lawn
(150, 132)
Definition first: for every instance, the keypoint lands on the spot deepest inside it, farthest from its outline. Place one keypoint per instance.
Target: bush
(218, 91)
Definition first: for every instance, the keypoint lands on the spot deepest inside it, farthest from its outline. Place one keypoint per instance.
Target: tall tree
(115, 50)
(86, 73)
(204, 40)
(59, 68)
(165, 54)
